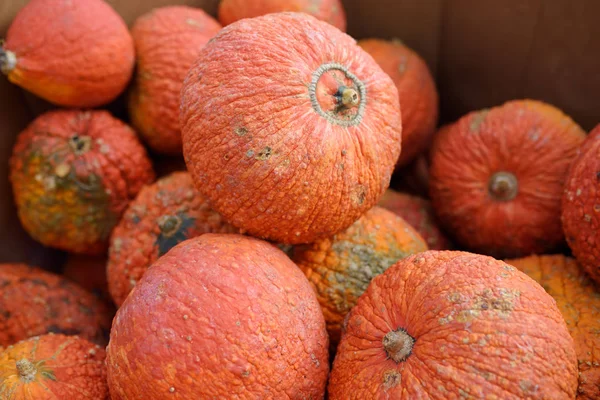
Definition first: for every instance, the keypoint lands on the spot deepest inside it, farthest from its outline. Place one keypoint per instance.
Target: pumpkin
(340, 268)
(581, 205)
(419, 214)
(35, 302)
(298, 136)
(500, 194)
(162, 215)
(51, 367)
(416, 88)
(73, 174)
(89, 272)
(448, 325)
(70, 53)
(578, 300)
(167, 42)
(219, 316)
(330, 11)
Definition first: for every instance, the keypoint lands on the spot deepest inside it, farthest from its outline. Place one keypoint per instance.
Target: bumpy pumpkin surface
(416, 88)
(581, 205)
(219, 316)
(330, 11)
(497, 177)
(162, 215)
(89, 272)
(73, 174)
(167, 42)
(578, 300)
(449, 325)
(35, 302)
(71, 53)
(419, 214)
(298, 136)
(340, 268)
(52, 367)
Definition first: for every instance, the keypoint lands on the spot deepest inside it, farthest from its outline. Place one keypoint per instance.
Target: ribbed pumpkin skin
(531, 141)
(482, 329)
(73, 174)
(71, 53)
(219, 316)
(578, 300)
(162, 215)
(581, 205)
(35, 302)
(65, 367)
(268, 161)
(330, 11)
(167, 42)
(417, 91)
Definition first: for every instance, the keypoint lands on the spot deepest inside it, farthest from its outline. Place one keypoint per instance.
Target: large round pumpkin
(298, 136)
(497, 177)
(219, 316)
(450, 325)
(71, 53)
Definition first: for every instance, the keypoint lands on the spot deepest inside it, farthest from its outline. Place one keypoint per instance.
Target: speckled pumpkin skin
(219, 316)
(35, 302)
(419, 214)
(330, 11)
(340, 268)
(532, 141)
(268, 161)
(73, 174)
(578, 300)
(89, 272)
(482, 329)
(65, 367)
(161, 216)
(167, 42)
(581, 205)
(417, 91)
(71, 53)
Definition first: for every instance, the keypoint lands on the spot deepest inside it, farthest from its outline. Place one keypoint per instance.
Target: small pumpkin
(35, 302)
(298, 136)
(500, 194)
(89, 272)
(70, 53)
(73, 174)
(578, 300)
(51, 367)
(162, 215)
(443, 324)
(219, 316)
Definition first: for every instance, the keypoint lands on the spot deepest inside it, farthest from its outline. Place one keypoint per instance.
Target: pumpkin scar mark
(477, 120)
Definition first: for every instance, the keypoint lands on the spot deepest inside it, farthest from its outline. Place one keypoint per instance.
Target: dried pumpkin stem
(349, 97)
(26, 370)
(80, 144)
(398, 345)
(503, 186)
(169, 225)
(8, 60)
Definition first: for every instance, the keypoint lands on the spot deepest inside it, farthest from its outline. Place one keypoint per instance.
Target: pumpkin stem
(80, 144)
(398, 344)
(26, 370)
(349, 97)
(8, 60)
(169, 225)
(503, 186)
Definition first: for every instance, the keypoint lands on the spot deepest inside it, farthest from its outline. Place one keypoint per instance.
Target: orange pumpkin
(579, 302)
(52, 367)
(497, 177)
(89, 272)
(449, 325)
(219, 316)
(291, 146)
(71, 53)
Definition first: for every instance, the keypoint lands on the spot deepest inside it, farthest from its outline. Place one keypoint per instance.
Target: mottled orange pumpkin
(330, 11)
(340, 268)
(497, 176)
(219, 316)
(167, 42)
(581, 205)
(73, 174)
(89, 272)
(416, 88)
(35, 302)
(578, 300)
(53, 367)
(162, 215)
(449, 325)
(71, 53)
(298, 136)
